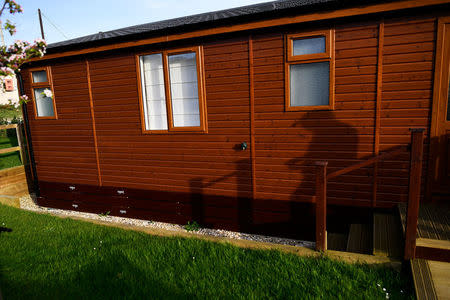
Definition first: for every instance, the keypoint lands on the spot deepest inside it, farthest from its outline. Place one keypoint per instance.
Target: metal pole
(40, 22)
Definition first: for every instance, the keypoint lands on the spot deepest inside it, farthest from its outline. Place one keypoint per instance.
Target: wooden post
(415, 176)
(20, 142)
(321, 205)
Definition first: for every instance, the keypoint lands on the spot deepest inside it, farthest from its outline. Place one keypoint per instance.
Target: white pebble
(27, 202)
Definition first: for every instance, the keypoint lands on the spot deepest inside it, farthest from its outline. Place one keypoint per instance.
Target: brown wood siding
(286, 143)
(408, 61)
(183, 162)
(64, 148)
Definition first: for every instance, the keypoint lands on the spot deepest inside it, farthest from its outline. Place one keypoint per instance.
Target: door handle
(244, 146)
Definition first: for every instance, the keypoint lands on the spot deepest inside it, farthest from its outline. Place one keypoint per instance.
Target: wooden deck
(360, 239)
(431, 279)
(431, 267)
(433, 231)
(387, 235)
(13, 185)
(434, 221)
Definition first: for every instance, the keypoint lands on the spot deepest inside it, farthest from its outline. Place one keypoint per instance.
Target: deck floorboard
(433, 223)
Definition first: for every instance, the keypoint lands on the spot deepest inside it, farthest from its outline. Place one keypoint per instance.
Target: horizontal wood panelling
(177, 160)
(311, 135)
(64, 148)
(408, 64)
(286, 143)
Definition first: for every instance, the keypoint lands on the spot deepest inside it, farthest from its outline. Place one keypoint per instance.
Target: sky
(67, 19)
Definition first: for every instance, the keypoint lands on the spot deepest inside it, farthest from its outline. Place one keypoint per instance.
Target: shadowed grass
(47, 257)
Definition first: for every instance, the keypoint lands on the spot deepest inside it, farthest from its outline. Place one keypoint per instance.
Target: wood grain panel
(186, 165)
(64, 148)
(406, 97)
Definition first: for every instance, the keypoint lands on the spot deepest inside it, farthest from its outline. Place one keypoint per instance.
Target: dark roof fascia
(270, 10)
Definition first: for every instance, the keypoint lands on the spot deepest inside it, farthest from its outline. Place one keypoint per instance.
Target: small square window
(309, 71)
(309, 84)
(42, 94)
(309, 46)
(40, 76)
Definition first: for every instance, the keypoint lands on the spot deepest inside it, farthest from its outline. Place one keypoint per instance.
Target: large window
(172, 91)
(310, 71)
(42, 93)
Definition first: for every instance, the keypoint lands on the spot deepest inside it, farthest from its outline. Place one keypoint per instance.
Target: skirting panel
(277, 218)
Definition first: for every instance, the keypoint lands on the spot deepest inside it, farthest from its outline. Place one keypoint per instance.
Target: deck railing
(415, 174)
(19, 148)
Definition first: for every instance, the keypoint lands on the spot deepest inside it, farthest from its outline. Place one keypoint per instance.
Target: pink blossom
(47, 93)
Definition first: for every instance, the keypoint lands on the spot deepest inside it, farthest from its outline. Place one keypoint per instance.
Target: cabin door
(440, 128)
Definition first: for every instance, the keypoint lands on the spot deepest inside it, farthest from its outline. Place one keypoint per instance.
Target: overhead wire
(56, 27)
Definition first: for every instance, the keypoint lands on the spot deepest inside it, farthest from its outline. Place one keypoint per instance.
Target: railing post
(20, 142)
(321, 205)
(415, 176)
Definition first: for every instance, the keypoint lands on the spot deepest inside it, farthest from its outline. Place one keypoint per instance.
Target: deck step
(360, 239)
(433, 222)
(423, 281)
(11, 171)
(337, 241)
(10, 200)
(15, 189)
(387, 237)
(12, 179)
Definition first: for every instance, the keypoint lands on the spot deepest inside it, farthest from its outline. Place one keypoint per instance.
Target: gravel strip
(27, 202)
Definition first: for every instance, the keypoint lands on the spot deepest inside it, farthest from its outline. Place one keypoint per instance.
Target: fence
(415, 174)
(20, 141)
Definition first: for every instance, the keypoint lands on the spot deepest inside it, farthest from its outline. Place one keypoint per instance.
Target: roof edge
(258, 24)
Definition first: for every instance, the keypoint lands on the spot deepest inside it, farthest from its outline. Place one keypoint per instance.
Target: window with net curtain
(308, 66)
(170, 94)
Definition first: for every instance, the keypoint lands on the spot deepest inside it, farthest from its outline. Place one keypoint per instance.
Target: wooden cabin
(222, 117)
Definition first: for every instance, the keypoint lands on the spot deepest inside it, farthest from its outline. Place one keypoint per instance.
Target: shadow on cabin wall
(326, 138)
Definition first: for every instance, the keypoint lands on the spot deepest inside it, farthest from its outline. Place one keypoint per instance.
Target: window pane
(309, 46)
(39, 76)
(44, 105)
(310, 84)
(184, 90)
(154, 96)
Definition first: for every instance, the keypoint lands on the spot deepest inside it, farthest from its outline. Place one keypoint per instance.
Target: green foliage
(14, 56)
(105, 214)
(46, 257)
(9, 114)
(192, 226)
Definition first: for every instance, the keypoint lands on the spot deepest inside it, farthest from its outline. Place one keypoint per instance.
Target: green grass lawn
(9, 160)
(46, 257)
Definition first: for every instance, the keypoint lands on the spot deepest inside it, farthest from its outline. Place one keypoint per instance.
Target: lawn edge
(353, 258)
